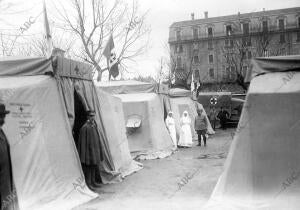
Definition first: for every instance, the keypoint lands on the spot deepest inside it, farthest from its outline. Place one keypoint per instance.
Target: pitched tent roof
(262, 169)
(25, 66)
(127, 86)
(273, 64)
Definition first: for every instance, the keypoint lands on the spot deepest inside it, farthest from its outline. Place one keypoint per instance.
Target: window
(227, 73)
(210, 31)
(195, 46)
(228, 30)
(246, 41)
(179, 48)
(243, 54)
(195, 33)
(210, 58)
(211, 73)
(298, 37)
(196, 59)
(178, 62)
(245, 68)
(178, 35)
(281, 24)
(282, 51)
(229, 43)
(249, 54)
(210, 44)
(230, 73)
(246, 28)
(282, 38)
(265, 26)
(197, 75)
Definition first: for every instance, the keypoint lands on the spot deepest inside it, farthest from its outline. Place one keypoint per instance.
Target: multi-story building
(218, 49)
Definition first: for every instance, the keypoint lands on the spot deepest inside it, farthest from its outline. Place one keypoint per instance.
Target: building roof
(235, 17)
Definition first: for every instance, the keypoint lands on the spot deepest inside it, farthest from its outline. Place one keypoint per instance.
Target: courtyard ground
(185, 180)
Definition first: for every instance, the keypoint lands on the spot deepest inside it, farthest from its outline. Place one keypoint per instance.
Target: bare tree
(33, 45)
(235, 55)
(96, 20)
(37, 46)
(260, 43)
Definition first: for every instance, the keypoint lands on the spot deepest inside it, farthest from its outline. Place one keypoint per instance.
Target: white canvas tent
(114, 125)
(262, 170)
(41, 95)
(46, 168)
(150, 139)
(180, 101)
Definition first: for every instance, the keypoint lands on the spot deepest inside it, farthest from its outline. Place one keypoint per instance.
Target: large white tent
(42, 95)
(262, 170)
(150, 139)
(46, 168)
(179, 101)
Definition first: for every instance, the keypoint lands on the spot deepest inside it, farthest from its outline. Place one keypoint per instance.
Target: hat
(3, 110)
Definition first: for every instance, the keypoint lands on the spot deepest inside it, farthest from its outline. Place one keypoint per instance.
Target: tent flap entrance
(86, 93)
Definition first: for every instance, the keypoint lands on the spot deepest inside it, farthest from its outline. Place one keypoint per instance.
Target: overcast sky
(161, 14)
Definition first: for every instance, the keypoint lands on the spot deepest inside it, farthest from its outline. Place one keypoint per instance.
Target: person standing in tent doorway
(170, 123)
(201, 126)
(223, 115)
(90, 151)
(185, 139)
(213, 116)
(8, 195)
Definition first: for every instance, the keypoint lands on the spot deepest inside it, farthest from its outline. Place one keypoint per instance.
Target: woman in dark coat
(8, 195)
(89, 150)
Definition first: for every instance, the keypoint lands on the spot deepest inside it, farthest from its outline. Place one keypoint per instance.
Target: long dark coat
(89, 146)
(8, 195)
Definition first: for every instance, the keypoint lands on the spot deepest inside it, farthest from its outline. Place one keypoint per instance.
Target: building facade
(218, 49)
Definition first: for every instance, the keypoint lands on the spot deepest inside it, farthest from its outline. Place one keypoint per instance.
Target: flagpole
(109, 75)
(47, 32)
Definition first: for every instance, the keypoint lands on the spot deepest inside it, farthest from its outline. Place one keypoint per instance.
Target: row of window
(230, 72)
(229, 28)
(246, 55)
(229, 43)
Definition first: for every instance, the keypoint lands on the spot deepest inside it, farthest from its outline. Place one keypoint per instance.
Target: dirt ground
(184, 180)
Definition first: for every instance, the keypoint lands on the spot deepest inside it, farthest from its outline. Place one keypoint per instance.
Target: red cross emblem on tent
(213, 100)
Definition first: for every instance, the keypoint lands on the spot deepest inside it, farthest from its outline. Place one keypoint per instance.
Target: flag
(110, 54)
(193, 83)
(47, 33)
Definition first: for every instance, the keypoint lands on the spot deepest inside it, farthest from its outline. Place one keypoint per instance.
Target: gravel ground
(184, 180)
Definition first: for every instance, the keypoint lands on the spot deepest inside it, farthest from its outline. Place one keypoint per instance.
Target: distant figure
(213, 116)
(8, 195)
(170, 122)
(185, 139)
(89, 150)
(201, 126)
(223, 116)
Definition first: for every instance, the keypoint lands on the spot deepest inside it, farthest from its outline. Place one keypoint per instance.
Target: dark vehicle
(232, 103)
